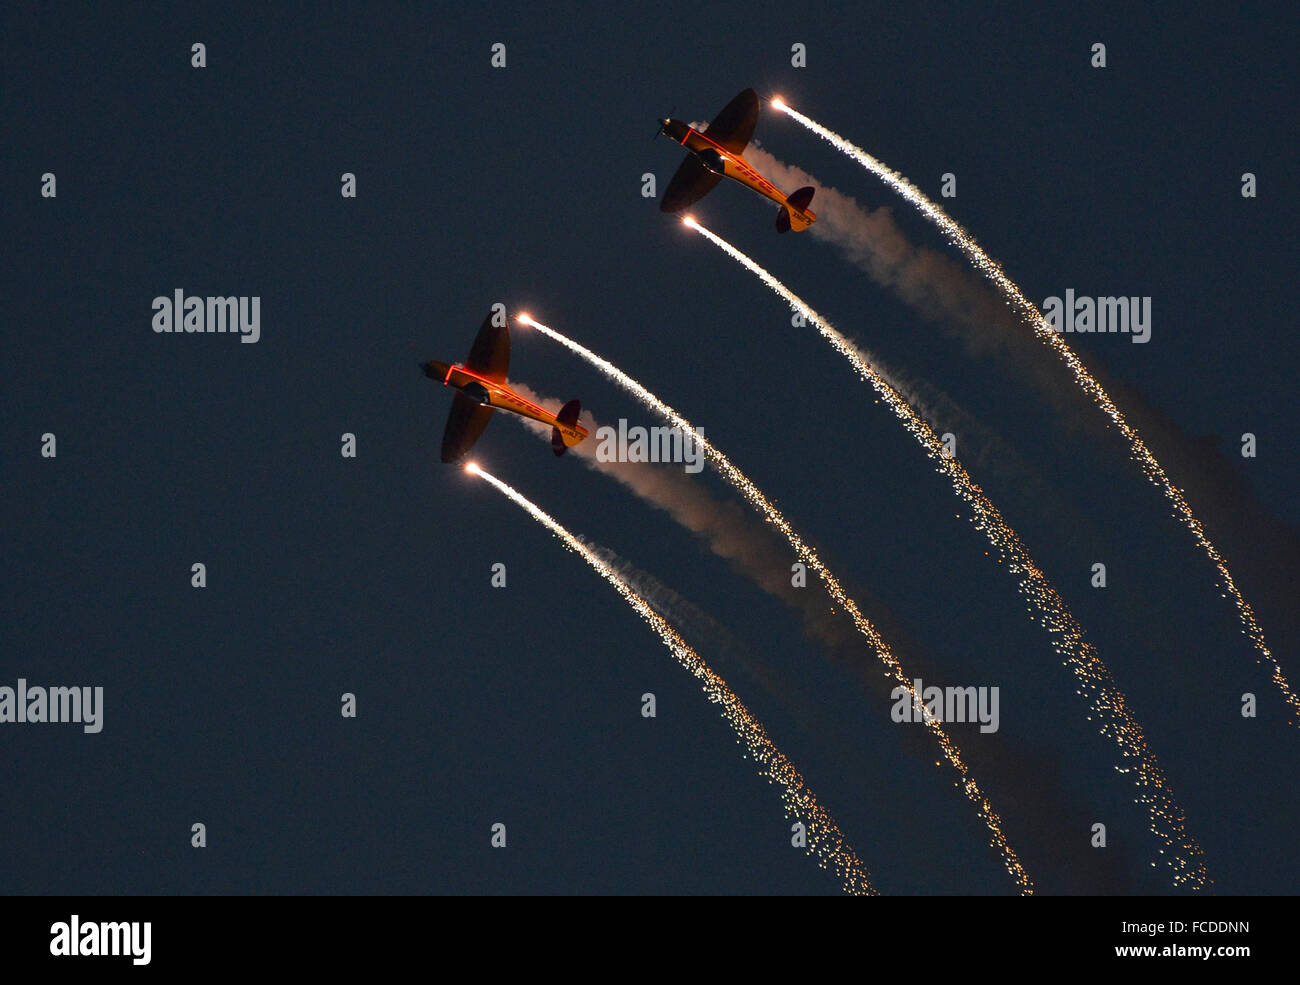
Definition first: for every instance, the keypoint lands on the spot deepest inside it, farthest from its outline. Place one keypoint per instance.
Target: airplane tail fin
(795, 214)
(568, 433)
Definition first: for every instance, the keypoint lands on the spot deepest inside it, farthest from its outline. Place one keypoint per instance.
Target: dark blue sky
(521, 705)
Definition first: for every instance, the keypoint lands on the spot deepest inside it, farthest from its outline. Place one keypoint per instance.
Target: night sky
(521, 705)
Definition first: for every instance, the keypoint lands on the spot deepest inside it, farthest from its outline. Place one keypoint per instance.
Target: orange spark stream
(1086, 381)
(755, 497)
(1168, 823)
(825, 841)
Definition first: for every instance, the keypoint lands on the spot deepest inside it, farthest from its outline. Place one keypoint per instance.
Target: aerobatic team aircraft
(481, 386)
(716, 153)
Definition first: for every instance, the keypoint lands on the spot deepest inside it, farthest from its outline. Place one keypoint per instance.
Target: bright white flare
(825, 841)
(1151, 468)
(755, 497)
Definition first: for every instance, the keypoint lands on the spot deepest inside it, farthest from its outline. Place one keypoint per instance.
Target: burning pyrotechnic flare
(825, 841)
(755, 497)
(1167, 822)
(1151, 468)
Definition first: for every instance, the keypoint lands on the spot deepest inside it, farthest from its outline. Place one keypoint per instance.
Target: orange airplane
(481, 386)
(716, 153)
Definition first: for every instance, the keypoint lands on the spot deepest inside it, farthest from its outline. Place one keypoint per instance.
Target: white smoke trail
(825, 842)
(1151, 468)
(1166, 819)
(755, 497)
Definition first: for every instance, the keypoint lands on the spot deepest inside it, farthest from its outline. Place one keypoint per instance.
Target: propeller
(661, 126)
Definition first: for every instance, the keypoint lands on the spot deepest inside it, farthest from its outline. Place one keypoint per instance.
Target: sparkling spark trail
(1167, 822)
(1151, 468)
(755, 497)
(825, 841)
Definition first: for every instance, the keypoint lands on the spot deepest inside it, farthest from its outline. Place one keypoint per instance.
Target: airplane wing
(733, 127)
(690, 184)
(490, 355)
(465, 423)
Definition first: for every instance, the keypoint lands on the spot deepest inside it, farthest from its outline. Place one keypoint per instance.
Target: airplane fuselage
(495, 394)
(722, 161)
